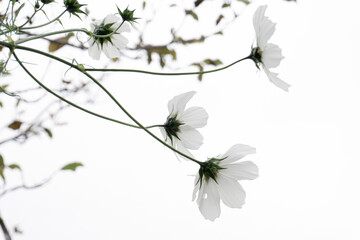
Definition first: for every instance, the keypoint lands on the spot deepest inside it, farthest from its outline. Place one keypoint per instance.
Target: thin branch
(4, 229)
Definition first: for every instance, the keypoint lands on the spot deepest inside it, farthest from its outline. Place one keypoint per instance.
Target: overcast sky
(131, 187)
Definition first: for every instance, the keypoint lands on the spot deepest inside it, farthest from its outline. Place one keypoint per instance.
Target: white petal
(241, 171)
(236, 152)
(110, 50)
(92, 27)
(264, 27)
(195, 117)
(124, 28)
(196, 186)
(231, 192)
(275, 80)
(94, 50)
(271, 56)
(119, 41)
(178, 103)
(181, 148)
(111, 18)
(209, 200)
(190, 137)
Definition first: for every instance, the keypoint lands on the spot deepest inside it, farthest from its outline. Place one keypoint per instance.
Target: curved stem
(67, 101)
(164, 73)
(42, 25)
(105, 90)
(51, 33)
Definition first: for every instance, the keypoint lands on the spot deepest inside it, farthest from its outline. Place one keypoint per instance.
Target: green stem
(106, 91)
(67, 101)
(42, 25)
(51, 33)
(163, 73)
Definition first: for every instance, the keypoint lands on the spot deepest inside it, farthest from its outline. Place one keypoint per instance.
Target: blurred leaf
(1, 105)
(14, 166)
(72, 166)
(190, 12)
(15, 125)
(219, 19)
(48, 131)
(17, 230)
(244, 1)
(1, 48)
(201, 68)
(225, 5)
(162, 52)
(173, 5)
(59, 43)
(144, 4)
(198, 2)
(19, 9)
(2, 166)
(215, 62)
(190, 41)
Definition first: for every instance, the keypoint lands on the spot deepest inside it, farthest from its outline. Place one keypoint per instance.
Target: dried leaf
(219, 19)
(198, 2)
(244, 1)
(15, 125)
(214, 62)
(192, 13)
(59, 43)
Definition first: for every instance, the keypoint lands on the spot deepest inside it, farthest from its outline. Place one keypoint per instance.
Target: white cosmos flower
(109, 45)
(266, 54)
(218, 179)
(180, 127)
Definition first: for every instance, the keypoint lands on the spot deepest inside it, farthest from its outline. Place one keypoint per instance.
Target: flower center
(209, 169)
(102, 30)
(256, 55)
(172, 127)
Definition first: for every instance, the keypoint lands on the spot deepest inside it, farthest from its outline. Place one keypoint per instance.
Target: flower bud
(73, 7)
(127, 15)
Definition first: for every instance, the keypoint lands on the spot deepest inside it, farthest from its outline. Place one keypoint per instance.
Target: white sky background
(133, 188)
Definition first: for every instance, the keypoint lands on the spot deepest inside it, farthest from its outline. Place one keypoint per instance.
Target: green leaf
(244, 1)
(214, 62)
(225, 5)
(72, 166)
(1, 105)
(190, 12)
(48, 131)
(19, 9)
(2, 166)
(14, 166)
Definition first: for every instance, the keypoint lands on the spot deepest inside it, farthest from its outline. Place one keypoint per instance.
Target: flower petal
(196, 186)
(124, 28)
(178, 103)
(276, 80)
(271, 56)
(110, 50)
(236, 152)
(181, 148)
(209, 200)
(241, 171)
(119, 41)
(111, 18)
(231, 192)
(264, 27)
(190, 137)
(94, 50)
(195, 117)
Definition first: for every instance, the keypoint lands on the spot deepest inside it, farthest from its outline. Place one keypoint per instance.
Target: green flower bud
(73, 7)
(127, 15)
(44, 2)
